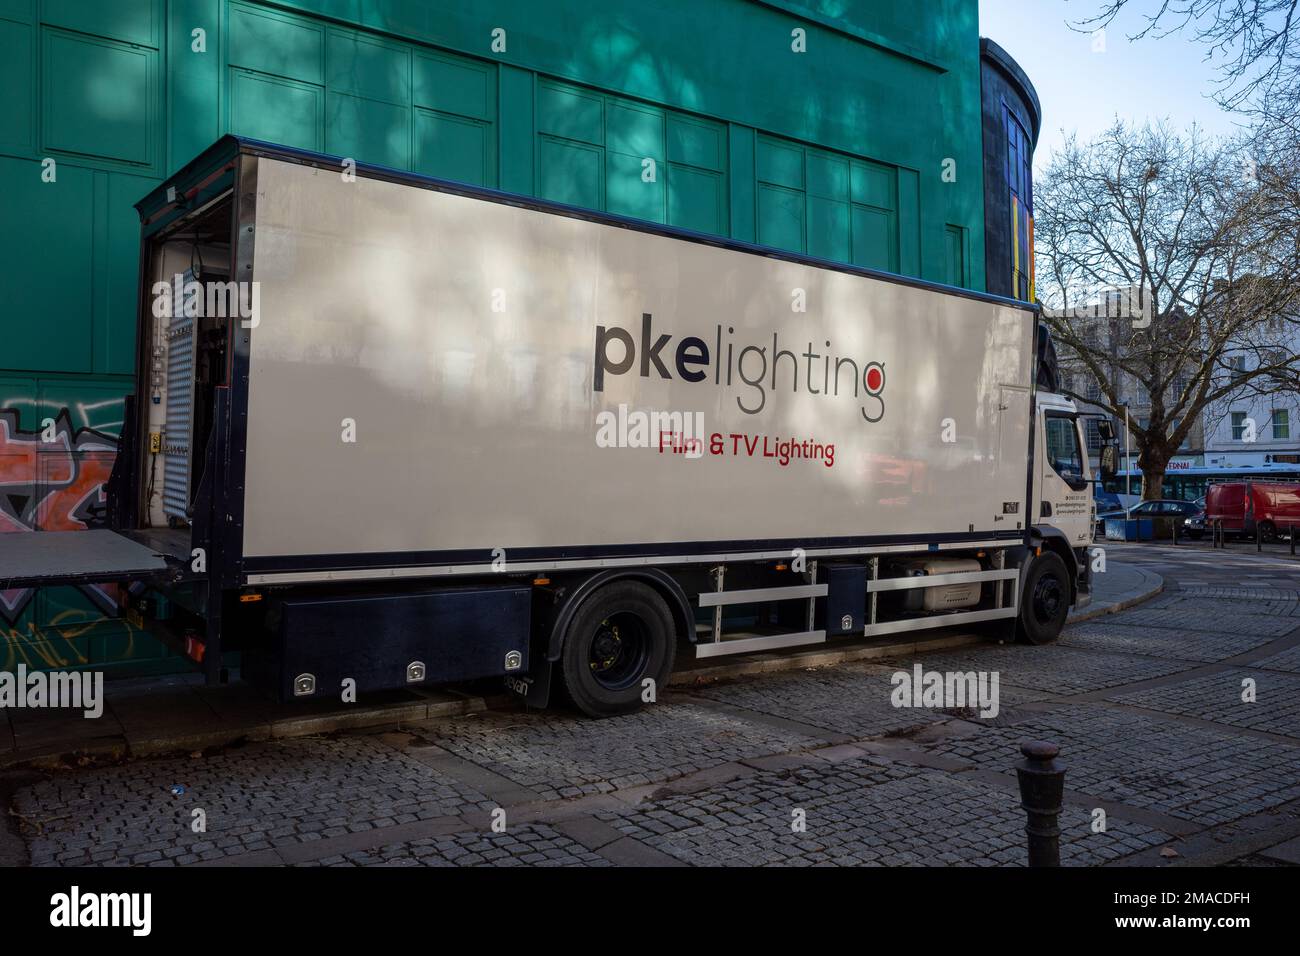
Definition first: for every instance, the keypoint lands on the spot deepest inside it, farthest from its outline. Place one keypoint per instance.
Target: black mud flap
(534, 687)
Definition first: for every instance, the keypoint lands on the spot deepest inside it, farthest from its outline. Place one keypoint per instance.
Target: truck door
(1066, 483)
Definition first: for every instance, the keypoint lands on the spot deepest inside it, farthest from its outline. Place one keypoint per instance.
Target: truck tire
(621, 635)
(1045, 603)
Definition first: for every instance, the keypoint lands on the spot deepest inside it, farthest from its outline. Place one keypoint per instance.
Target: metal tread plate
(51, 558)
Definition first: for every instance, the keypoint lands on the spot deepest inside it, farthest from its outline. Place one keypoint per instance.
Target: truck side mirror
(1107, 462)
(1106, 430)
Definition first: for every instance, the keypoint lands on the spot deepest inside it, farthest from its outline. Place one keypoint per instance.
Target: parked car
(1107, 501)
(1164, 508)
(1194, 526)
(1243, 507)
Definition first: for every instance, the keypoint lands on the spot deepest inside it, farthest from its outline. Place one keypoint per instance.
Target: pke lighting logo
(691, 358)
(77, 909)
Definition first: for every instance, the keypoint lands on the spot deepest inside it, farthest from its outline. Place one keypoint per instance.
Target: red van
(1272, 506)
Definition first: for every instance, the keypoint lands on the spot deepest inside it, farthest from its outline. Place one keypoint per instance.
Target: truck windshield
(1063, 449)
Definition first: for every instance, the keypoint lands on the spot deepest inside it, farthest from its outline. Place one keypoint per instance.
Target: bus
(1189, 484)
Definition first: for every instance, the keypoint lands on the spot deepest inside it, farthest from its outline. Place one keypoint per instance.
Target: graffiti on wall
(52, 479)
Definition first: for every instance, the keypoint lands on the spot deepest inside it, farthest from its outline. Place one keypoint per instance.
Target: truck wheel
(1045, 603)
(619, 636)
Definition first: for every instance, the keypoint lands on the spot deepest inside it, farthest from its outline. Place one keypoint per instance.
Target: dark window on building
(1020, 176)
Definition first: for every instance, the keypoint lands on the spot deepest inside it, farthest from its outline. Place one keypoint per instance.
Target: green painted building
(846, 129)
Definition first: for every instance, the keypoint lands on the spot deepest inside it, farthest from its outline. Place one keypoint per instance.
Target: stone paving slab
(863, 812)
(1218, 698)
(1053, 669)
(1284, 594)
(559, 754)
(849, 700)
(1288, 660)
(1193, 773)
(1228, 620)
(1182, 602)
(254, 798)
(1198, 646)
(526, 845)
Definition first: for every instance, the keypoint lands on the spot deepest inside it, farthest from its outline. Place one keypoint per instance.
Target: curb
(119, 747)
(1152, 584)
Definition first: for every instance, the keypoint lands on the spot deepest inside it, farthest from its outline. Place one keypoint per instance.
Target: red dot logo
(875, 378)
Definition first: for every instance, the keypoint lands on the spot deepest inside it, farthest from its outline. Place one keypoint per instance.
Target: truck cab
(1057, 574)
(1062, 479)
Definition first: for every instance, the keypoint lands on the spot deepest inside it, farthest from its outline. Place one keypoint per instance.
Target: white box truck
(404, 431)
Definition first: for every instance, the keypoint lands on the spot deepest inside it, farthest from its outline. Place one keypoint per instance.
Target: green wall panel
(741, 144)
(685, 154)
(276, 110)
(828, 228)
(515, 133)
(911, 230)
(367, 67)
(455, 85)
(100, 97)
(828, 175)
(368, 130)
(697, 199)
(454, 147)
(696, 143)
(626, 191)
(875, 233)
(570, 113)
(636, 130)
(780, 164)
(570, 173)
(21, 10)
(115, 333)
(47, 295)
(131, 21)
(18, 117)
(195, 88)
(954, 251)
(781, 218)
(269, 42)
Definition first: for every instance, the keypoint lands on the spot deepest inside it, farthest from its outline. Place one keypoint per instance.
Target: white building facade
(1250, 429)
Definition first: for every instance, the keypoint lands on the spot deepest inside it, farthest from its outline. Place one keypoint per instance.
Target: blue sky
(1082, 91)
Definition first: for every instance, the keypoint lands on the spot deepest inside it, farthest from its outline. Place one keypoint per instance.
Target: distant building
(1249, 429)
(1109, 335)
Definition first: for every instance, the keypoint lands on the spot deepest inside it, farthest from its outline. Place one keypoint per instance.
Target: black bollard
(1042, 782)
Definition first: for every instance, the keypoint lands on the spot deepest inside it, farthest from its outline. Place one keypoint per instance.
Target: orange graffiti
(52, 479)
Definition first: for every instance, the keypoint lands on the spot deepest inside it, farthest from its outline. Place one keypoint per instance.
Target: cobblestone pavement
(1165, 749)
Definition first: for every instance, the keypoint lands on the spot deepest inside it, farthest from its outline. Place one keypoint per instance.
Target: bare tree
(1257, 43)
(1211, 241)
